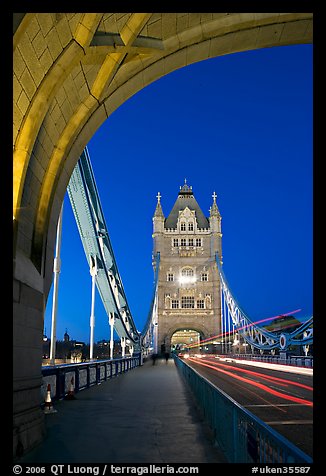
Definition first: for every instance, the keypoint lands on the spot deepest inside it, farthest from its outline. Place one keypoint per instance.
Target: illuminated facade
(188, 285)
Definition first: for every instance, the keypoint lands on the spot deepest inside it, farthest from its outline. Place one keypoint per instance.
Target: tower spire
(186, 189)
(158, 210)
(213, 211)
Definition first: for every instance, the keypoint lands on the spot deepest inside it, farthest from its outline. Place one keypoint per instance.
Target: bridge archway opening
(183, 339)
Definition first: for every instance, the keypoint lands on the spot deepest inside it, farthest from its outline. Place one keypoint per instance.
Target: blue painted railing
(241, 436)
(84, 375)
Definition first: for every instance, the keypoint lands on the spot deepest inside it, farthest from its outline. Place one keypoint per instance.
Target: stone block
(269, 35)
(26, 50)
(153, 72)
(39, 44)
(194, 19)
(294, 31)
(244, 40)
(190, 36)
(53, 43)
(46, 60)
(30, 297)
(33, 28)
(198, 52)
(28, 84)
(18, 63)
(221, 45)
(46, 22)
(155, 29)
(169, 25)
(175, 60)
(63, 31)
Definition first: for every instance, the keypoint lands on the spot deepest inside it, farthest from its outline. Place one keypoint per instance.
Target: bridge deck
(144, 416)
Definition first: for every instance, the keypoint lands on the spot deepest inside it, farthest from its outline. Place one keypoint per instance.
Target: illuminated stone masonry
(188, 286)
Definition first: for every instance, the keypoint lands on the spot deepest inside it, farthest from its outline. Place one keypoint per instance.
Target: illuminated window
(188, 302)
(170, 277)
(187, 276)
(200, 304)
(187, 272)
(175, 304)
(183, 226)
(204, 277)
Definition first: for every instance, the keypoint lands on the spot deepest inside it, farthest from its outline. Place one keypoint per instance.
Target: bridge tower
(188, 293)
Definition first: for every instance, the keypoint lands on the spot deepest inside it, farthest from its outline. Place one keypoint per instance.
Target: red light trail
(255, 384)
(282, 381)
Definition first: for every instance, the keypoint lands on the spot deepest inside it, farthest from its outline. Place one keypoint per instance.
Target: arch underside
(71, 71)
(192, 324)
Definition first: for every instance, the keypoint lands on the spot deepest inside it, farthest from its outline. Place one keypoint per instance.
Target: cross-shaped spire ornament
(158, 196)
(214, 197)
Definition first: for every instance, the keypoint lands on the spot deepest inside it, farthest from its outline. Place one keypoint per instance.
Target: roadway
(282, 399)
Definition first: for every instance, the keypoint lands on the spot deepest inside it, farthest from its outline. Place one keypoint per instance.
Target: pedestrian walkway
(146, 415)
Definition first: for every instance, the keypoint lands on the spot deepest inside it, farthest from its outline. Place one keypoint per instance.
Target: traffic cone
(48, 406)
(71, 392)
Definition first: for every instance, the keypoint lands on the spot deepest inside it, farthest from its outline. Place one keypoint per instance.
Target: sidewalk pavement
(147, 415)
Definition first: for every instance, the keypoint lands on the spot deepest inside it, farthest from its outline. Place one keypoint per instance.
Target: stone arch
(131, 69)
(71, 71)
(196, 326)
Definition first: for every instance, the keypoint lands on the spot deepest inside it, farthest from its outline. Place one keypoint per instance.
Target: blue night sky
(240, 125)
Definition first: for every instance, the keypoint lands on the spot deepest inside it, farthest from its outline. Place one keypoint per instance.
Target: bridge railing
(295, 360)
(84, 374)
(241, 436)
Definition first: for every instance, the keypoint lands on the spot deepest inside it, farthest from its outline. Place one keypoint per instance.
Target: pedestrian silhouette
(154, 357)
(166, 355)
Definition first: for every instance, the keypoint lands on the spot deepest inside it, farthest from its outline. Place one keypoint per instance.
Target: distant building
(283, 324)
(73, 351)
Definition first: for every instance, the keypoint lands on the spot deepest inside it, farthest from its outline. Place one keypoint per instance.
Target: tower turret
(158, 225)
(215, 226)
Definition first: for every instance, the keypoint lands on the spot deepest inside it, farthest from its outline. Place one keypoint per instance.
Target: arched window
(187, 272)
(187, 276)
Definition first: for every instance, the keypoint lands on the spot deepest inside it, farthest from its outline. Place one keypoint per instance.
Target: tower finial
(158, 196)
(185, 189)
(213, 211)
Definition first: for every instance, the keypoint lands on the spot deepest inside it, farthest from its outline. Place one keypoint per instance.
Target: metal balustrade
(84, 374)
(241, 436)
(294, 360)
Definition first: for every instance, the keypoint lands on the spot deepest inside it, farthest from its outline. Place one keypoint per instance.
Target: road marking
(290, 422)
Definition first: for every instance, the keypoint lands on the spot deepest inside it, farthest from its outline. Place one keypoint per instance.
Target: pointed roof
(158, 210)
(186, 199)
(214, 211)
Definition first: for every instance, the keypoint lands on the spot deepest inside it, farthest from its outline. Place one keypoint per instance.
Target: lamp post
(93, 272)
(56, 270)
